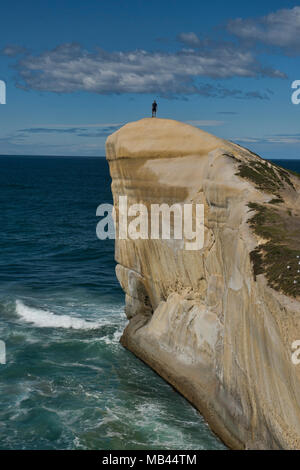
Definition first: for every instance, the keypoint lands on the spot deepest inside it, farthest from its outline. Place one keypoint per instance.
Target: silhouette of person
(154, 108)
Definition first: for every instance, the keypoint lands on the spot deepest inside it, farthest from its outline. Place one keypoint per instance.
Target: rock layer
(220, 335)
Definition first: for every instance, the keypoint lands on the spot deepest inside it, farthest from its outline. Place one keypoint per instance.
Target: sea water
(67, 382)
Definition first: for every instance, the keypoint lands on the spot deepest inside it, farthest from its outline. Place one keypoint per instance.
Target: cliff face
(218, 323)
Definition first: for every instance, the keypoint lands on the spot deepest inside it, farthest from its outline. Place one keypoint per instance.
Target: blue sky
(75, 71)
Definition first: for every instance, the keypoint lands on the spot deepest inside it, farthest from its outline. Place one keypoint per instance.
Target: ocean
(67, 382)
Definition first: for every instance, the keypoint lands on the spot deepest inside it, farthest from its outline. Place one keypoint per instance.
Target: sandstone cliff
(218, 323)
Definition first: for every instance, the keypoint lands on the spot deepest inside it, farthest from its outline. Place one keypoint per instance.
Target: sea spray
(47, 319)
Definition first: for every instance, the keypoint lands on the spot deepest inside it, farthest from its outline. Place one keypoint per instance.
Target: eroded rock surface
(219, 332)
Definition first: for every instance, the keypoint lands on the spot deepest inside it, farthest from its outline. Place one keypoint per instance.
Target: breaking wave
(47, 319)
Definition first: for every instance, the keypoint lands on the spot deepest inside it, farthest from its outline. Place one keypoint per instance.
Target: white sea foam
(47, 319)
(115, 338)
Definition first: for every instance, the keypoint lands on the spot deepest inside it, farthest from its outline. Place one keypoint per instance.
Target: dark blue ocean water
(67, 382)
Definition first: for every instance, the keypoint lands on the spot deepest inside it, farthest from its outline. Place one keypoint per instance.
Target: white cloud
(190, 39)
(205, 123)
(69, 68)
(11, 50)
(280, 28)
(246, 140)
(85, 130)
(79, 126)
(283, 140)
(269, 140)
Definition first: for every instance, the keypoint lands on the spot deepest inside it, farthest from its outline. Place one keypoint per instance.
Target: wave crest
(47, 319)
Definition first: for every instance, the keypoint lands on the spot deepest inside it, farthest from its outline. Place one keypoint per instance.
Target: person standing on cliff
(154, 108)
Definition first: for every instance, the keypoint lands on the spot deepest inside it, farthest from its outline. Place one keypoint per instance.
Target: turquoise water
(68, 383)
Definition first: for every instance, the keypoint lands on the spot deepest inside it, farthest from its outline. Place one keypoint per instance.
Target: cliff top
(154, 137)
(273, 200)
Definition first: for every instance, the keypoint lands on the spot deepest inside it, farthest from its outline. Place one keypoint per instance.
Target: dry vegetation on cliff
(277, 258)
(265, 175)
